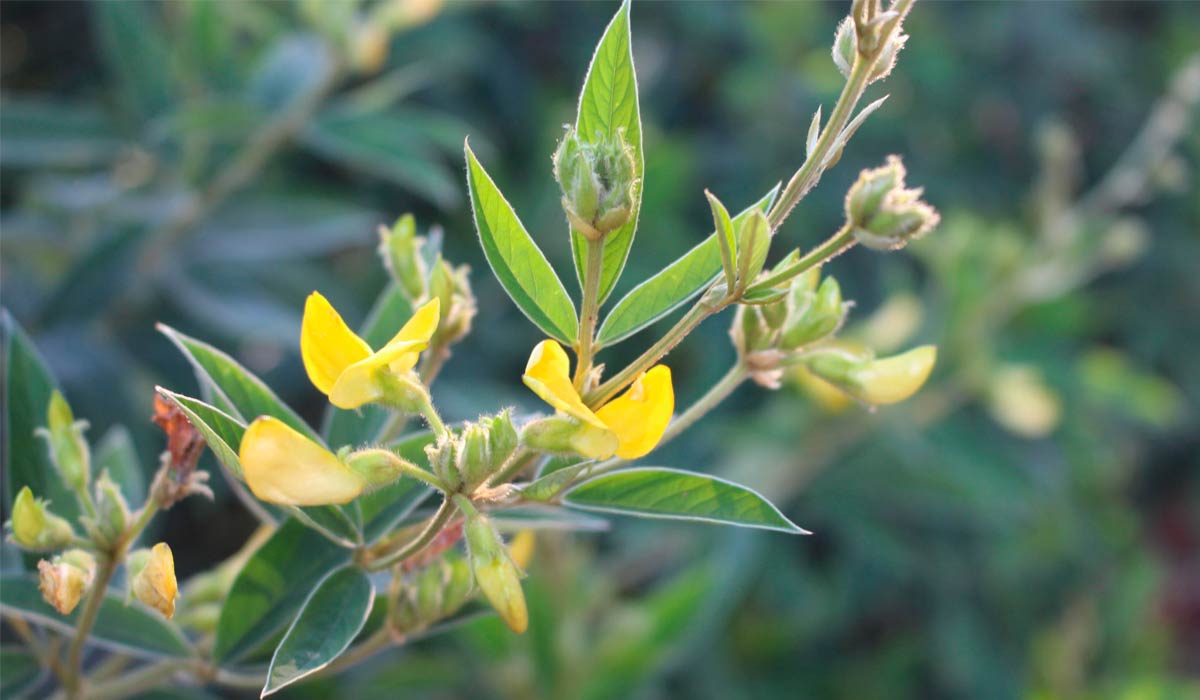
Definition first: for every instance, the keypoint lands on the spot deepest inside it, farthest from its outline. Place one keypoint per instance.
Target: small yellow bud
(155, 584)
(893, 379)
(495, 572)
(35, 527)
(65, 579)
(1019, 400)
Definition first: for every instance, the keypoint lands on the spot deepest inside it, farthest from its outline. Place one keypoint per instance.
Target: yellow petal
(359, 384)
(548, 374)
(156, 585)
(520, 550)
(641, 414)
(327, 345)
(283, 466)
(413, 334)
(593, 442)
(894, 379)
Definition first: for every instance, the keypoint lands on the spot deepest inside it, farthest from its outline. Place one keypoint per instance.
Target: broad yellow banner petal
(327, 345)
(548, 374)
(282, 466)
(641, 414)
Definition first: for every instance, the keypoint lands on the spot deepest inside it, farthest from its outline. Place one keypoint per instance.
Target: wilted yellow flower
(342, 365)
(629, 426)
(64, 580)
(155, 584)
(34, 526)
(283, 466)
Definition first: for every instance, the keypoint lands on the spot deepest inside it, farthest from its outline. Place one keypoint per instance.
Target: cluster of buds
(433, 592)
(64, 579)
(870, 34)
(464, 462)
(422, 274)
(882, 213)
(765, 335)
(597, 178)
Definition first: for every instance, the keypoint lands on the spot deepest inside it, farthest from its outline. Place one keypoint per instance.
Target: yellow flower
(155, 584)
(283, 466)
(342, 365)
(629, 425)
(65, 579)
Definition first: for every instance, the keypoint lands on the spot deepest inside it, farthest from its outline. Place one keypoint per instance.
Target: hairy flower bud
(112, 512)
(35, 527)
(882, 213)
(65, 579)
(443, 460)
(400, 248)
(452, 287)
(597, 181)
(68, 449)
(495, 572)
(154, 584)
(815, 315)
(377, 467)
(474, 456)
(502, 437)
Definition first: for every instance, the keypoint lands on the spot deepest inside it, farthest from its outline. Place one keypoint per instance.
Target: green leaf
(42, 133)
(607, 104)
(723, 227)
(516, 260)
(22, 671)
(115, 452)
(132, 629)
(680, 281)
(552, 482)
(754, 242)
(271, 588)
(27, 388)
(134, 49)
(657, 492)
(384, 509)
(330, 619)
(342, 427)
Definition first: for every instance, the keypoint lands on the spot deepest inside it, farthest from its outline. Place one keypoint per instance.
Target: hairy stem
(833, 246)
(435, 526)
(589, 310)
(87, 619)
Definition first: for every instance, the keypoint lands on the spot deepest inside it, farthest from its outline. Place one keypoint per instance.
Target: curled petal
(360, 383)
(641, 414)
(413, 334)
(156, 585)
(548, 375)
(282, 466)
(327, 345)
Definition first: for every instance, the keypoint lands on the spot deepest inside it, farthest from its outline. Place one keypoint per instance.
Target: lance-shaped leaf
(657, 492)
(271, 588)
(132, 629)
(518, 263)
(680, 281)
(331, 618)
(608, 104)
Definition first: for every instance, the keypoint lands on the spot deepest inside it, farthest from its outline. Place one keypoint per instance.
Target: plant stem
(87, 618)
(435, 525)
(431, 416)
(589, 311)
(515, 465)
(135, 681)
(833, 246)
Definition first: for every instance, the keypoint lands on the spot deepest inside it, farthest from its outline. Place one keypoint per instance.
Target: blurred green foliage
(208, 164)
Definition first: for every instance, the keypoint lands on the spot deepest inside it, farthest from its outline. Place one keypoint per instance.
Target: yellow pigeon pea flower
(344, 367)
(65, 579)
(282, 466)
(629, 426)
(155, 584)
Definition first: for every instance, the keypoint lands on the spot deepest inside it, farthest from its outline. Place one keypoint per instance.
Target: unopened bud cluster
(465, 461)
(882, 213)
(597, 178)
(869, 33)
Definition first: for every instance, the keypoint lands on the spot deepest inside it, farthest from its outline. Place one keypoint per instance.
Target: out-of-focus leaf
(42, 133)
(553, 481)
(539, 517)
(22, 671)
(330, 619)
(271, 587)
(608, 104)
(280, 228)
(100, 273)
(238, 308)
(294, 67)
(385, 146)
(656, 492)
(135, 52)
(516, 260)
(667, 290)
(115, 452)
(133, 628)
(27, 388)
(342, 427)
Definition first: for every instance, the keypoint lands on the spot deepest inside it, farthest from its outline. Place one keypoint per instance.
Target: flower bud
(402, 391)
(376, 466)
(751, 332)
(495, 572)
(155, 584)
(34, 527)
(112, 512)
(68, 449)
(65, 579)
(452, 287)
(876, 381)
(443, 460)
(429, 584)
(566, 435)
(883, 214)
(474, 457)
(814, 315)
(502, 437)
(597, 180)
(400, 249)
